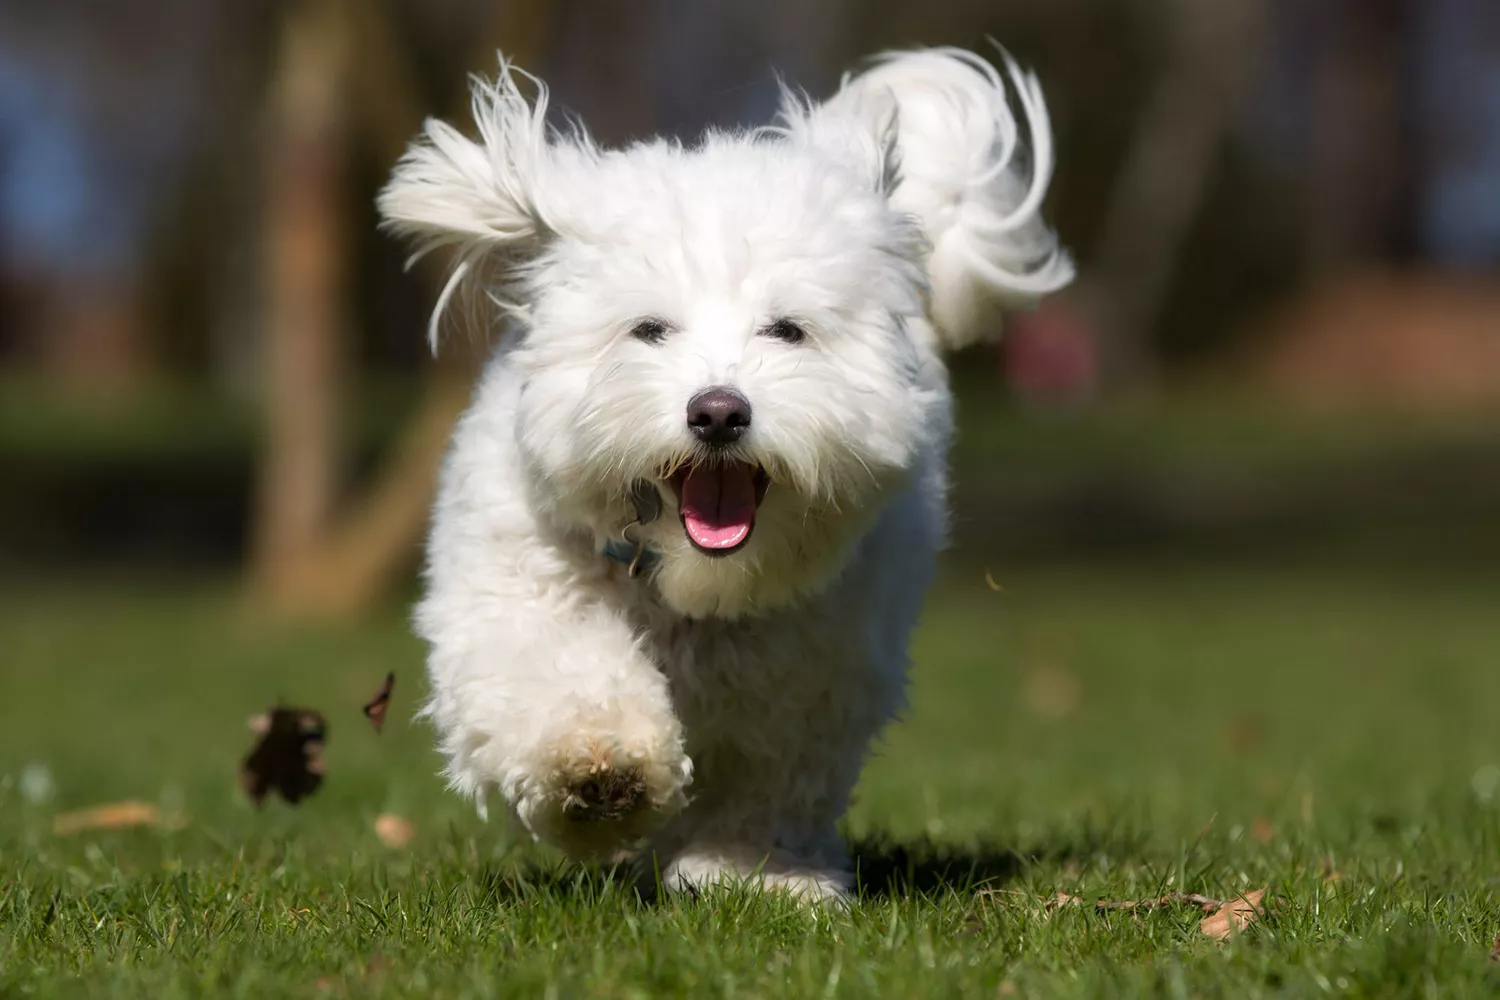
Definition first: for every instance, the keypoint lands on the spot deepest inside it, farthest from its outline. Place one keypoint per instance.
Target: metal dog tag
(646, 500)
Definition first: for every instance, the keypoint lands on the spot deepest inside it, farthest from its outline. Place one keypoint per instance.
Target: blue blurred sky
(1458, 84)
(64, 201)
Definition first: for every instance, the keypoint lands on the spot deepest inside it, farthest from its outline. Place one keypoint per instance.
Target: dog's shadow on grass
(883, 869)
(890, 869)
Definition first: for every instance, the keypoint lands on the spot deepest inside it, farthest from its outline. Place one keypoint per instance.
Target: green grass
(1109, 734)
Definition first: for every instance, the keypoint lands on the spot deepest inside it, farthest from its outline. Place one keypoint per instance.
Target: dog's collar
(637, 558)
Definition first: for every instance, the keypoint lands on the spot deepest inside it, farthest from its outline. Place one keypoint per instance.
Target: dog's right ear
(485, 199)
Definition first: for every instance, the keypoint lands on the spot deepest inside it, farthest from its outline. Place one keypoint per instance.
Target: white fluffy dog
(685, 527)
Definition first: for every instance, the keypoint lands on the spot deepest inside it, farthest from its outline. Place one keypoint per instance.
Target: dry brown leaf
(376, 706)
(113, 816)
(394, 831)
(1495, 951)
(1262, 830)
(1006, 989)
(1244, 734)
(1234, 916)
(288, 757)
(1062, 899)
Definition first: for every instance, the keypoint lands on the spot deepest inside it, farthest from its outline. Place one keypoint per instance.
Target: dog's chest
(732, 679)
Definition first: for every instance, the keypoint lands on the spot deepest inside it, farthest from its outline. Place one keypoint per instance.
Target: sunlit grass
(1107, 734)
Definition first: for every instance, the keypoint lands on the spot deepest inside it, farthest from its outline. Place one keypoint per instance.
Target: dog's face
(742, 337)
(738, 326)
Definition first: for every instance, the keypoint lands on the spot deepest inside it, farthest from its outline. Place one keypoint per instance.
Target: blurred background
(1225, 541)
(1283, 352)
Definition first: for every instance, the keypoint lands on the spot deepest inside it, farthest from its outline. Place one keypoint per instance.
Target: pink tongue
(718, 505)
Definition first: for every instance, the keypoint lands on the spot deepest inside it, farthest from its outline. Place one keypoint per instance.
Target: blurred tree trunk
(379, 536)
(1164, 177)
(342, 568)
(306, 249)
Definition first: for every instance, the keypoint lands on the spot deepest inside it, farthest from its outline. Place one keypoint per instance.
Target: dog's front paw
(601, 792)
(607, 794)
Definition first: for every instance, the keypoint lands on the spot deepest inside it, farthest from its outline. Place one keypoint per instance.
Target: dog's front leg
(551, 700)
(771, 823)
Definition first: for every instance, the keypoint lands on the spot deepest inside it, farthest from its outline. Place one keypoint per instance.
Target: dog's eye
(786, 331)
(652, 331)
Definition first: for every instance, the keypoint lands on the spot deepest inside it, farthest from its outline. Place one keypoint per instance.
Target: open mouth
(717, 502)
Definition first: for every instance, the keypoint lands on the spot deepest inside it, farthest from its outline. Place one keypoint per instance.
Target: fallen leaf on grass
(1223, 920)
(376, 706)
(394, 831)
(1262, 830)
(1234, 915)
(288, 758)
(113, 816)
(1495, 951)
(1244, 733)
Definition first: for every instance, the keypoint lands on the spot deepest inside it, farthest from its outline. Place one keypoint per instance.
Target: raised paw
(598, 794)
(607, 794)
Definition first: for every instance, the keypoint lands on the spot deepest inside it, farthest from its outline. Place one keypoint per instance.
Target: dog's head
(741, 331)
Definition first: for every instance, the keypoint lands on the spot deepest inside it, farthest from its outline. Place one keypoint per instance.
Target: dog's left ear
(487, 199)
(936, 131)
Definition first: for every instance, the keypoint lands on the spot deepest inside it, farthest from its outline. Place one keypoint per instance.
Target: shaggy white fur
(718, 705)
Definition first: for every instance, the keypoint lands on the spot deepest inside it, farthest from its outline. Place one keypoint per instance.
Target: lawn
(1108, 734)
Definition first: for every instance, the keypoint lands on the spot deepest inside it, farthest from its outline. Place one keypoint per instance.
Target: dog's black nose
(718, 416)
